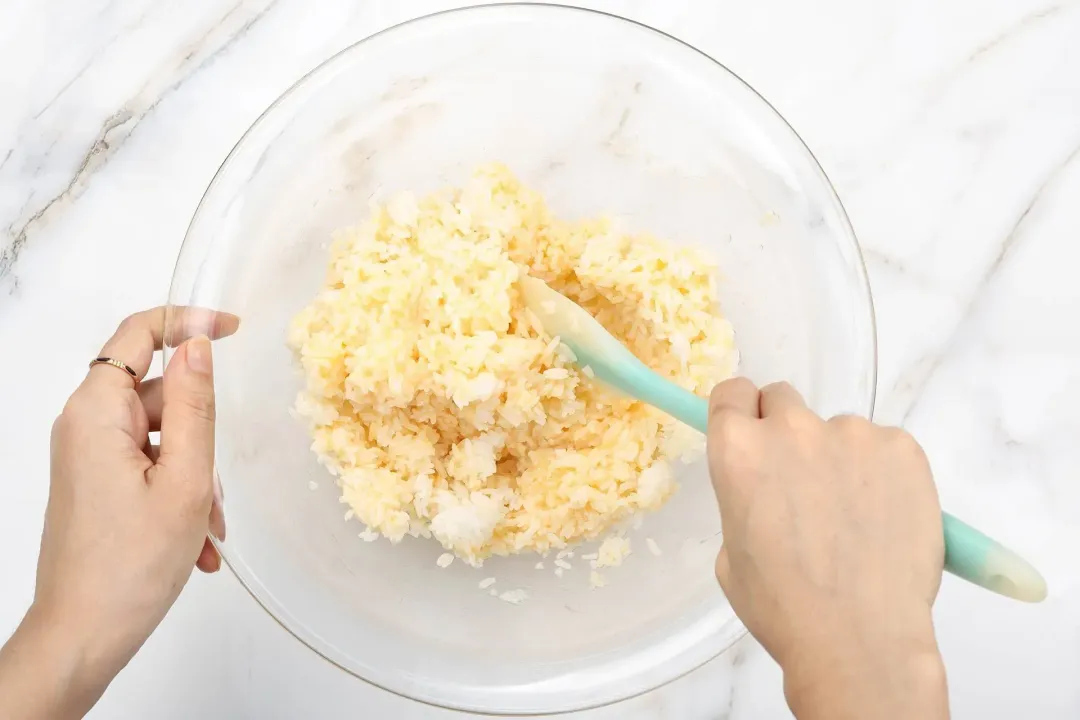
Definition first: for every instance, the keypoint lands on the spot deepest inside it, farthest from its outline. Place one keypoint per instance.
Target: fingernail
(199, 356)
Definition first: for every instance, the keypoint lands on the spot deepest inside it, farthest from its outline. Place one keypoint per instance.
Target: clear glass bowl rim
(868, 402)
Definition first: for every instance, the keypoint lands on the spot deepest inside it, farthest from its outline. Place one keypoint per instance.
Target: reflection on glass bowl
(602, 115)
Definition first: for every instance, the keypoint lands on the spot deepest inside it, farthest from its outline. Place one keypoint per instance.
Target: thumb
(187, 420)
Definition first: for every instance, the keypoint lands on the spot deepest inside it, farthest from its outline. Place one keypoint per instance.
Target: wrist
(44, 670)
(891, 671)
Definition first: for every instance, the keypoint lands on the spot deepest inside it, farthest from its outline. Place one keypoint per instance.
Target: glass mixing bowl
(603, 116)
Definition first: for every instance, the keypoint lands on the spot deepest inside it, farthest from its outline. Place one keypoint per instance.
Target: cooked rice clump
(443, 407)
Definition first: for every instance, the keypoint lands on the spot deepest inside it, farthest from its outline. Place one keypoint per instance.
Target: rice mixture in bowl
(444, 409)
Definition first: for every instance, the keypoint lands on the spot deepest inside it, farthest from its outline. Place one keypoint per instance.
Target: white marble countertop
(951, 129)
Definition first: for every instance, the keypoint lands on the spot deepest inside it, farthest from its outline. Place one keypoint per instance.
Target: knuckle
(720, 568)
(73, 406)
(721, 391)
(79, 406)
(733, 385)
(60, 426)
(131, 322)
(851, 424)
(782, 386)
(728, 428)
(793, 420)
(201, 405)
(92, 407)
(904, 442)
(733, 448)
(714, 397)
(741, 383)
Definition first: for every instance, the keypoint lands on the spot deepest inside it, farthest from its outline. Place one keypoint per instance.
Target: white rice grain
(514, 597)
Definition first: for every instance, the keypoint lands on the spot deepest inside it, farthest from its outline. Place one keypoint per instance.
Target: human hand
(833, 552)
(126, 521)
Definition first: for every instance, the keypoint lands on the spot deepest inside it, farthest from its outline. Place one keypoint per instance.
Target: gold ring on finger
(116, 364)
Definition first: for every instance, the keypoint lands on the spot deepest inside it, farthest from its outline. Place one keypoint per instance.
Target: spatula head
(593, 346)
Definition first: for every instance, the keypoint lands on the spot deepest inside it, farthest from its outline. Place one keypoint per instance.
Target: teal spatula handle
(969, 554)
(639, 381)
(980, 559)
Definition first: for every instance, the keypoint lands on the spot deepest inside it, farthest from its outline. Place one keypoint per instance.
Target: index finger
(779, 398)
(141, 334)
(736, 395)
(733, 409)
